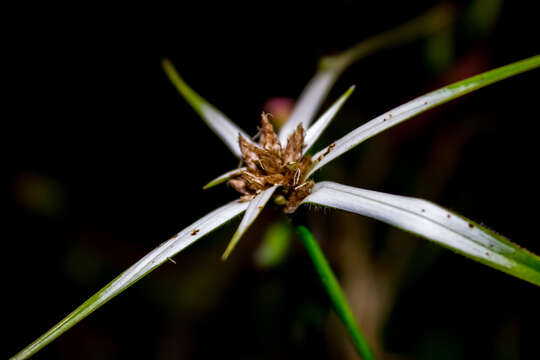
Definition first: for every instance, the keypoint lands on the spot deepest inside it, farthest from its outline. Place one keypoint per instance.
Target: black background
(89, 113)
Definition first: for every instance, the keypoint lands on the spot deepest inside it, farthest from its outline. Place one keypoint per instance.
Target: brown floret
(295, 143)
(269, 140)
(297, 195)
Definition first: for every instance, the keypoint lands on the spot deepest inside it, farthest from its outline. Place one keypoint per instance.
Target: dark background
(105, 161)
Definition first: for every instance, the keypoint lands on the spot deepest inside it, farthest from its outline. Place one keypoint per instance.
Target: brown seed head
(268, 164)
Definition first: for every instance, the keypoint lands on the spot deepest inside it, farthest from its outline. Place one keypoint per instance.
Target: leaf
(137, 271)
(222, 178)
(313, 133)
(219, 123)
(331, 67)
(254, 209)
(335, 293)
(434, 223)
(418, 106)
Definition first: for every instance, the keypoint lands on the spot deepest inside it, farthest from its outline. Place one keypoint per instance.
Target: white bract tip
(309, 102)
(254, 209)
(313, 133)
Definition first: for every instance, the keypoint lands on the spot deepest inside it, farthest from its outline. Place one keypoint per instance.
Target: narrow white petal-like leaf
(219, 123)
(141, 268)
(417, 106)
(222, 178)
(331, 67)
(313, 133)
(254, 209)
(434, 223)
(309, 101)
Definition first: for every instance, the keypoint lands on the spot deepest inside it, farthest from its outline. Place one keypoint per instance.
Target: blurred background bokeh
(105, 161)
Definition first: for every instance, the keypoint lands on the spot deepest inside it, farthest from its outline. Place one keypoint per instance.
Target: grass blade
(137, 271)
(334, 292)
(254, 209)
(434, 223)
(331, 67)
(418, 106)
(219, 123)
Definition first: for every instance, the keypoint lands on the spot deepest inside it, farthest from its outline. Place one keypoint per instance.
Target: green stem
(435, 19)
(334, 291)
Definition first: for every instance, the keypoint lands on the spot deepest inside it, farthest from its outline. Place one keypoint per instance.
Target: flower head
(273, 168)
(269, 164)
